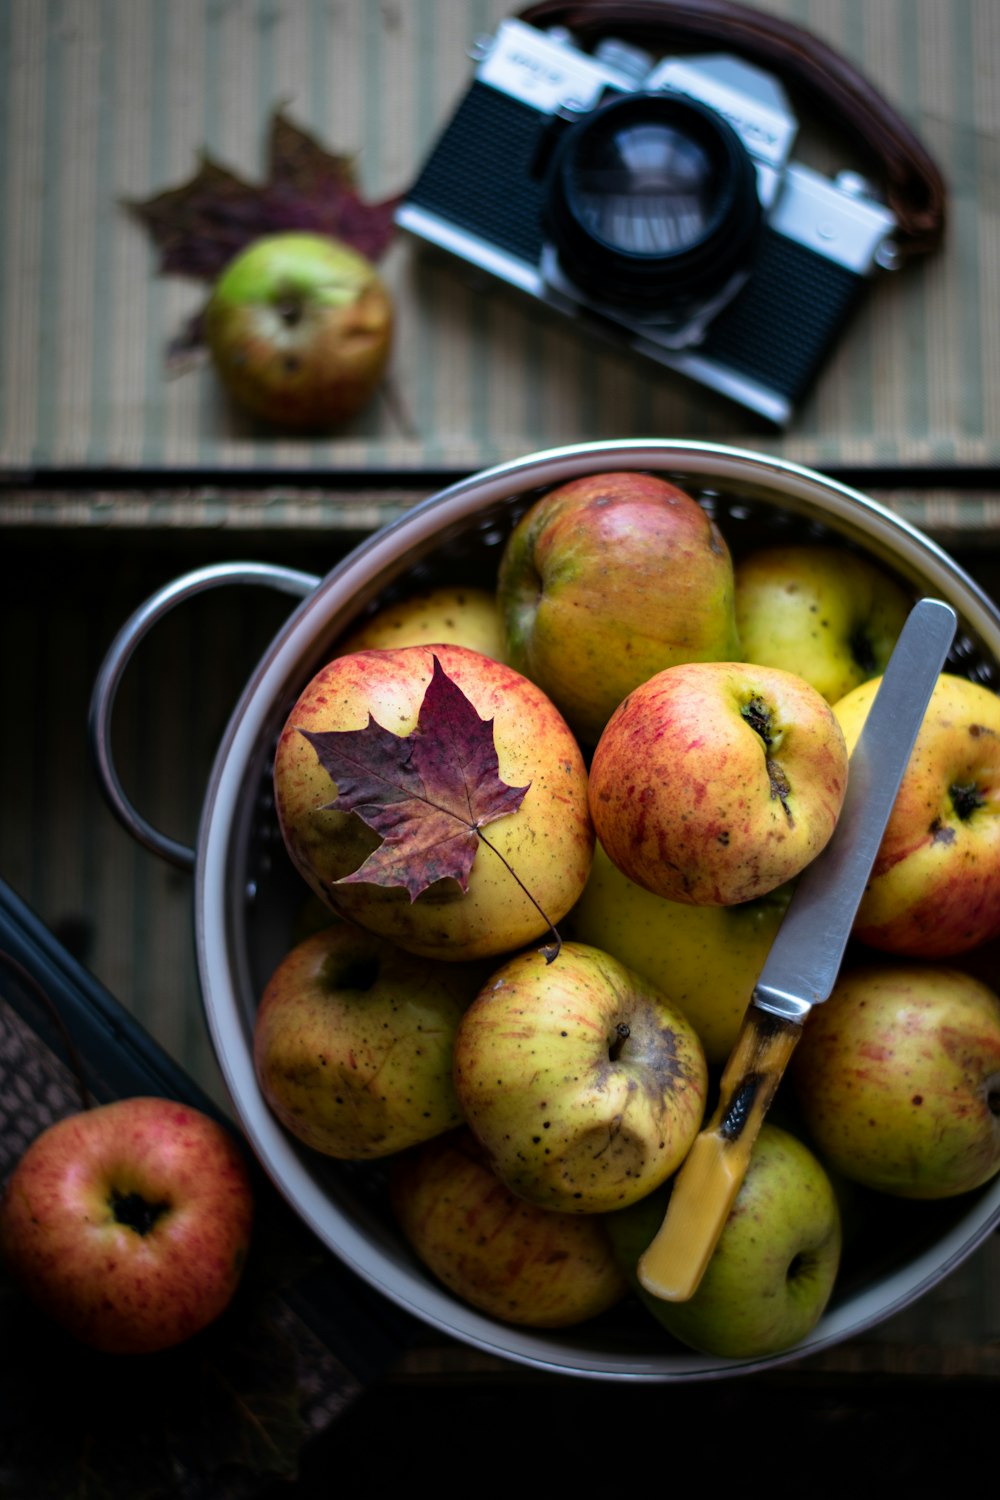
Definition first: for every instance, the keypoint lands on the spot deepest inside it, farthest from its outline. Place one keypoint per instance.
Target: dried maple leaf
(199, 226)
(426, 793)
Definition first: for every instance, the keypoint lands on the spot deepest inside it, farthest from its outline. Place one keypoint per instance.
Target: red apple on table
(605, 581)
(544, 847)
(898, 1079)
(824, 612)
(353, 1043)
(508, 1258)
(934, 891)
(716, 782)
(129, 1224)
(585, 1085)
(299, 327)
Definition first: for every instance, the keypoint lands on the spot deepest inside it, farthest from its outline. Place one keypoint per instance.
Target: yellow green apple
(299, 327)
(774, 1268)
(463, 616)
(934, 891)
(897, 1077)
(821, 611)
(537, 858)
(508, 1258)
(585, 1085)
(353, 1043)
(716, 782)
(605, 581)
(706, 958)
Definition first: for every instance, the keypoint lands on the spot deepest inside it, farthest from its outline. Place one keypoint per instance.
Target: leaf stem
(550, 950)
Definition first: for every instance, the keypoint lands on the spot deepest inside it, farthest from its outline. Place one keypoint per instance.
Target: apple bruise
(760, 717)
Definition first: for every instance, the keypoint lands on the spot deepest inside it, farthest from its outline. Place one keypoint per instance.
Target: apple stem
(551, 949)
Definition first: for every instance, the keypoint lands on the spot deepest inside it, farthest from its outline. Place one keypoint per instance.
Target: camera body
(656, 203)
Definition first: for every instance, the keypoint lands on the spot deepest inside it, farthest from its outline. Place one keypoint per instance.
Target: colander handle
(119, 654)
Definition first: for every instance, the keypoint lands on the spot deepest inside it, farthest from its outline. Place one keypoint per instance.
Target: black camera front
(652, 201)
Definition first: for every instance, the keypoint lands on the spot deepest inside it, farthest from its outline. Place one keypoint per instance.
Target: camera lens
(652, 198)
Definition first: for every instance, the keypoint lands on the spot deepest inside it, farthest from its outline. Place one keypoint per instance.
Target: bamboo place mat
(108, 100)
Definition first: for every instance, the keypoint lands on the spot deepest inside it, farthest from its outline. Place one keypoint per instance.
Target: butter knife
(803, 963)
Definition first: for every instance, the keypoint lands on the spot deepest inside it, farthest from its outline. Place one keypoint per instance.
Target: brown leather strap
(915, 189)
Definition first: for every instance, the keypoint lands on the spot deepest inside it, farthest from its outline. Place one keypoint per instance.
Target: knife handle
(706, 1186)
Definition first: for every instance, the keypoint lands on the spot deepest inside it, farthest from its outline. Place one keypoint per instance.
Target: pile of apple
(680, 728)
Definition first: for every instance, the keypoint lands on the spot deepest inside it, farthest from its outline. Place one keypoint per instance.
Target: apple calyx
(135, 1211)
(966, 799)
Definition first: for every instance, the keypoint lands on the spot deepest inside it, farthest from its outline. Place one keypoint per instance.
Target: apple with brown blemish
(583, 1082)
(353, 1043)
(934, 890)
(508, 1258)
(897, 1077)
(608, 579)
(716, 782)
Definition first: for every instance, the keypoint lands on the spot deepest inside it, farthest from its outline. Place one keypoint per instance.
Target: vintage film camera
(656, 203)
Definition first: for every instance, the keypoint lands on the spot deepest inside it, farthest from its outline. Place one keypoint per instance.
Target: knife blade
(803, 963)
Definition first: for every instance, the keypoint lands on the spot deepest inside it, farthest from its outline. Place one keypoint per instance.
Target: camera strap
(915, 188)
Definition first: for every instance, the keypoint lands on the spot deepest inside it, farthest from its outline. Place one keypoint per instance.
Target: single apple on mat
(129, 1224)
(898, 1079)
(353, 1043)
(605, 581)
(527, 857)
(583, 1082)
(508, 1258)
(299, 328)
(716, 782)
(934, 890)
(823, 612)
(774, 1268)
(707, 959)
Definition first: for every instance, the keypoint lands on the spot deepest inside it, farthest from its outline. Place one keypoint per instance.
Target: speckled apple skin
(548, 841)
(607, 580)
(898, 1079)
(565, 1122)
(825, 613)
(707, 959)
(462, 616)
(510, 1259)
(110, 1286)
(682, 788)
(353, 1043)
(775, 1267)
(934, 890)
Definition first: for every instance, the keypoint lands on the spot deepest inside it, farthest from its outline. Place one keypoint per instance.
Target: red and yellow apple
(129, 1224)
(511, 1259)
(824, 612)
(299, 328)
(585, 1085)
(897, 1077)
(934, 891)
(353, 1043)
(716, 782)
(605, 581)
(538, 857)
